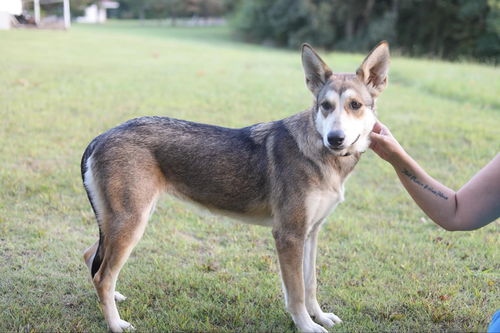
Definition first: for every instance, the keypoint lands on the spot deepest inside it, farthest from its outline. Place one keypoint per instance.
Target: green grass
(383, 266)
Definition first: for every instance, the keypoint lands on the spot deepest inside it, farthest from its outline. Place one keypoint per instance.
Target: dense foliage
(160, 9)
(450, 29)
(173, 8)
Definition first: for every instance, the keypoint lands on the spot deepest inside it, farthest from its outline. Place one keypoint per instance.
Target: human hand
(384, 144)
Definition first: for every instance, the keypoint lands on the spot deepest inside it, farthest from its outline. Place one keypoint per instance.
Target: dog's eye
(355, 105)
(326, 106)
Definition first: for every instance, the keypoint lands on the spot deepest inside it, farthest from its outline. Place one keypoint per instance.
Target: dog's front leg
(290, 248)
(312, 305)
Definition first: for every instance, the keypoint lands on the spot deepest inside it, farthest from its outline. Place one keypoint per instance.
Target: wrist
(400, 159)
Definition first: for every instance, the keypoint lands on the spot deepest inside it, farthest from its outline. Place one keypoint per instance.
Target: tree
(449, 29)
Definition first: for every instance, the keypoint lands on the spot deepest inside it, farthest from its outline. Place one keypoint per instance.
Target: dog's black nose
(336, 138)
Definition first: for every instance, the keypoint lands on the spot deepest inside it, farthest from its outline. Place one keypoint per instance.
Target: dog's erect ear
(315, 69)
(374, 69)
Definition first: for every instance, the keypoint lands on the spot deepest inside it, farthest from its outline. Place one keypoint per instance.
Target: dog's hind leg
(117, 248)
(312, 305)
(89, 254)
(129, 201)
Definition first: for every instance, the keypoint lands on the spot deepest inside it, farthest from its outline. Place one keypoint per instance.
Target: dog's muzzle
(337, 149)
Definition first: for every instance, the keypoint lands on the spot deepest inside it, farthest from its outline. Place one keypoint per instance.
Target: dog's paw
(312, 327)
(327, 319)
(126, 326)
(119, 297)
(121, 326)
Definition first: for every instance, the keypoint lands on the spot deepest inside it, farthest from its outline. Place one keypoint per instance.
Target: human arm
(473, 206)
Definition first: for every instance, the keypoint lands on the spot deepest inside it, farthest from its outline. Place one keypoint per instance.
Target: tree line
(449, 29)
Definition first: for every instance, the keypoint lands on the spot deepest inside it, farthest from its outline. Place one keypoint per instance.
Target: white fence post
(36, 7)
(67, 15)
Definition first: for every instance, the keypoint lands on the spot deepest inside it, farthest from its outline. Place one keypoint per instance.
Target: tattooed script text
(414, 179)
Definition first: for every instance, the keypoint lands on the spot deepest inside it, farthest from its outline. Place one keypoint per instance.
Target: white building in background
(96, 13)
(7, 9)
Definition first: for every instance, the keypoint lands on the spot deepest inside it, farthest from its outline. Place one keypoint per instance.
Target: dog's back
(217, 167)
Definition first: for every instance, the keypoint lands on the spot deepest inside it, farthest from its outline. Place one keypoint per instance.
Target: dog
(287, 174)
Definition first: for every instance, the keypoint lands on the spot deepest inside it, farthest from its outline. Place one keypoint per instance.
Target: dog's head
(344, 110)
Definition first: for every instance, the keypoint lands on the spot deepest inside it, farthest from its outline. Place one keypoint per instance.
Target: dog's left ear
(315, 69)
(374, 69)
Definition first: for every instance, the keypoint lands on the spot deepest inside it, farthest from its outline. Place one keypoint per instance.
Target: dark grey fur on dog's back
(220, 167)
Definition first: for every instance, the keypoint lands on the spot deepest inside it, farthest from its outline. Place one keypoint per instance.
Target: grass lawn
(383, 266)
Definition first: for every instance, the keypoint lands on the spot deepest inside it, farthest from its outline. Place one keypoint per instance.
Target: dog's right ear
(315, 69)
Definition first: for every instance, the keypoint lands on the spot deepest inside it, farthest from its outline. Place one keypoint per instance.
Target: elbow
(457, 224)
(449, 226)
(448, 223)
(454, 221)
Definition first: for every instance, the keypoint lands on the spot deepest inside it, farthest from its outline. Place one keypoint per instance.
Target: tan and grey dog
(286, 174)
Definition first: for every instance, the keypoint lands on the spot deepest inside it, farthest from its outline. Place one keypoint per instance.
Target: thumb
(376, 137)
(377, 127)
(374, 140)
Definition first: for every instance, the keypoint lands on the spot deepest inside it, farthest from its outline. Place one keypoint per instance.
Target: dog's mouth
(343, 150)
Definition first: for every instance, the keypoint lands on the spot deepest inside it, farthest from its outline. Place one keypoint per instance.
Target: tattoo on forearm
(414, 179)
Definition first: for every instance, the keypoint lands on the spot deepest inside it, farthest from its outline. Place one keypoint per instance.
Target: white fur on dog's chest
(320, 203)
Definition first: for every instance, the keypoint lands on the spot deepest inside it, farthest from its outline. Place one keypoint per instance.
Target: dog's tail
(85, 165)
